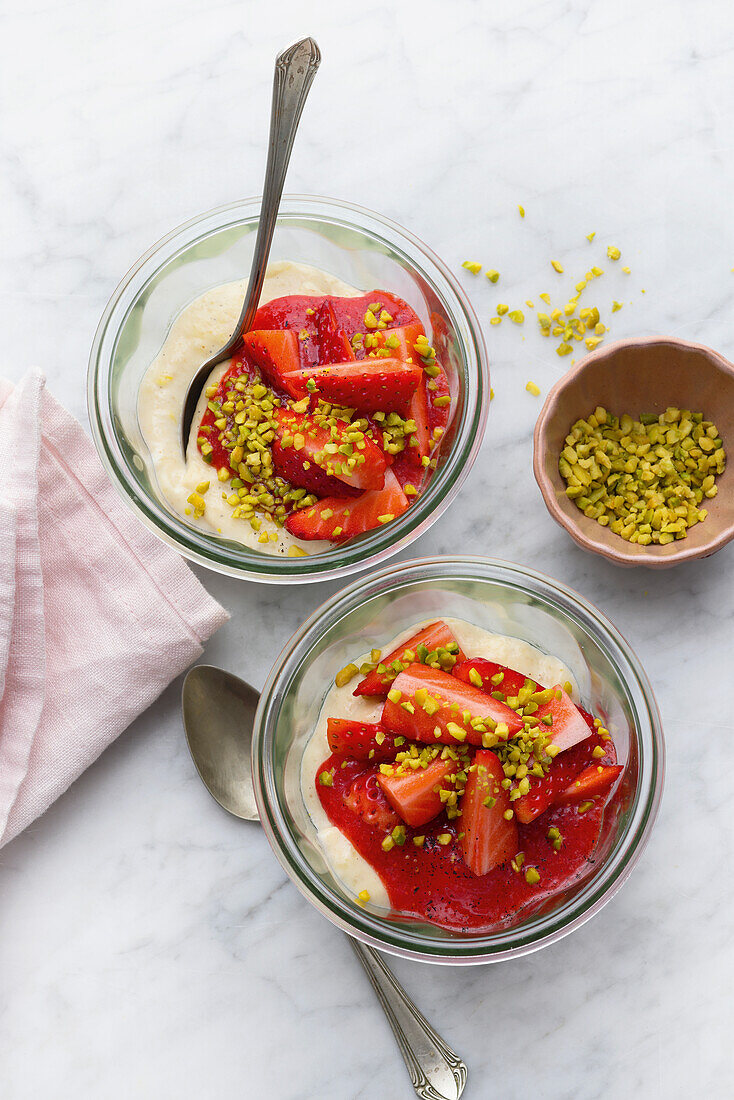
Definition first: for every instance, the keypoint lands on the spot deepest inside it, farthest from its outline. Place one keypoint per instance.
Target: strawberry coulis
(433, 883)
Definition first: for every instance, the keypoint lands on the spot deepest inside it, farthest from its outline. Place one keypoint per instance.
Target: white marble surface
(150, 945)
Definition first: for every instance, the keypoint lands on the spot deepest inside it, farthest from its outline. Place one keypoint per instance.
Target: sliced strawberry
(333, 343)
(369, 385)
(336, 519)
(566, 767)
(303, 472)
(419, 445)
(568, 725)
(412, 478)
(399, 342)
(434, 706)
(277, 354)
(361, 740)
(508, 682)
(488, 838)
(594, 780)
(439, 415)
(366, 799)
(319, 445)
(433, 636)
(416, 794)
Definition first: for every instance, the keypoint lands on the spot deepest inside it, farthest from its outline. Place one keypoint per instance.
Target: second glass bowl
(358, 246)
(505, 599)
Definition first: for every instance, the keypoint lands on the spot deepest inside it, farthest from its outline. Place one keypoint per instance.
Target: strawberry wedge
(488, 838)
(593, 781)
(432, 637)
(338, 519)
(493, 677)
(296, 467)
(426, 704)
(416, 795)
(369, 385)
(277, 354)
(564, 770)
(318, 445)
(567, 724)
(365, 798)
(360, 740)
(333, 344)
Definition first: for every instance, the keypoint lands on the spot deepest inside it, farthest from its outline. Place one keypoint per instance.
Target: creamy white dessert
(344, 861)
(198, 332)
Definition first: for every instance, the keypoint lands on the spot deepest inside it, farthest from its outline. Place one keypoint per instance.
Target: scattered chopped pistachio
(557, 267)
(444, 838)
(517, 316)
(493, 275)
(613, 252)
(532, 876)
(502, 309)
(472, 266)
(346, 674)
(531, 387)
(326, 779)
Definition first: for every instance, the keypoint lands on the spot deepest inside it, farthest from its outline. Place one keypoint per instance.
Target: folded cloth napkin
(96, 615)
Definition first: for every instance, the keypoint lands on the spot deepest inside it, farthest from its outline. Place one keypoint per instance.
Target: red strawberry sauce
(433, 883)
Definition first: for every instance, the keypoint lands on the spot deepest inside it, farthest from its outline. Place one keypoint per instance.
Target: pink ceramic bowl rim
(540, 436)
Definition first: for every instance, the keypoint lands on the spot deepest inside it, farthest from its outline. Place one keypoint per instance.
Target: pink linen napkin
(96, 615)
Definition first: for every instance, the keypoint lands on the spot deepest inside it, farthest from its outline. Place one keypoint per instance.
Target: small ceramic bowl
(639, 376)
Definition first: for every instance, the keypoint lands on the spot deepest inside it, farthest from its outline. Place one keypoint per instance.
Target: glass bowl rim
(341, 561)
(617, 867)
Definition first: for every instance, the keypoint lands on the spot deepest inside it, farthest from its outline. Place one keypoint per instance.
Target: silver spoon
(295, 69)
(218, 714)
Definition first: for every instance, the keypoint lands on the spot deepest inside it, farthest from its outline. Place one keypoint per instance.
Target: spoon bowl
(218, 716)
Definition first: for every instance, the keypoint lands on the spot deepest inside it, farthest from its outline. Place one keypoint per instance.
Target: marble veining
(150, 945)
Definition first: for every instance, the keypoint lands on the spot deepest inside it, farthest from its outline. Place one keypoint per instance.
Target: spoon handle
(295, 69)
(437, 1073)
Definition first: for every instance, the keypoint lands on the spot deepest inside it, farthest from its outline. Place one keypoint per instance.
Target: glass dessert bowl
(355, 247)
(503, 599)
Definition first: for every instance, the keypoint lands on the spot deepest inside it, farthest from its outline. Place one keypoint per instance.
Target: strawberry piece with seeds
(489, 839)
(567, 724)
(320, 444)
(370, 385)
(336, 519)
(276, 352)
(416, 795)
(594, 780)
(366, 799)
(429, 705)
(432, 637)
(360, 740)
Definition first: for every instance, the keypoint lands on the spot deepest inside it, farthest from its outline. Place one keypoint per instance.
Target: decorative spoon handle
(295, 69)
(436, 1071)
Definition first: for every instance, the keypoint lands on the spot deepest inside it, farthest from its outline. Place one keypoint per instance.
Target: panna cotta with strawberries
(325, 425)
(455, 778)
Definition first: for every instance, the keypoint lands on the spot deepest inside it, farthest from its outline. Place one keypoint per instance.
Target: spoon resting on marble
(218, 716)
